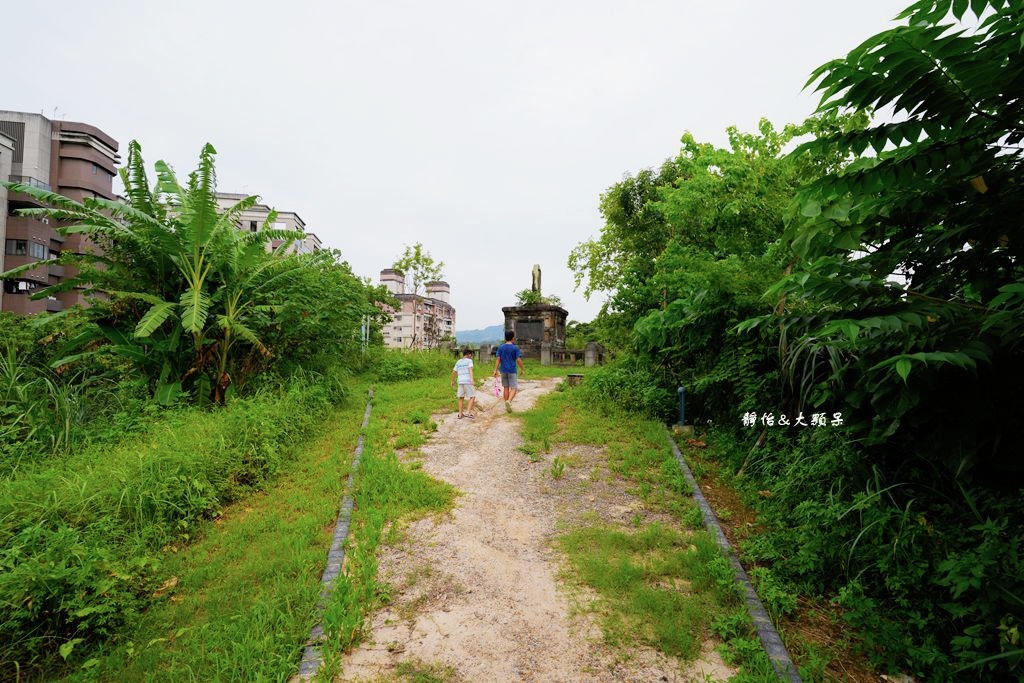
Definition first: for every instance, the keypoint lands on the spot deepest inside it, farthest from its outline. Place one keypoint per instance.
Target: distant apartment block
(253, 218)
(422, 322)
(70, 158)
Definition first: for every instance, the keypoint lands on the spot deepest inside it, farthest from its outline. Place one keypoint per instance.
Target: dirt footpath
(476, 594)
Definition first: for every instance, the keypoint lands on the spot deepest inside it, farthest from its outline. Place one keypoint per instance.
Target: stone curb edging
(770, 639)
(311, 657)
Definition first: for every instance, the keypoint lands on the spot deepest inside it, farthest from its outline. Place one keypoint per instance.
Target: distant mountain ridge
(494, 333)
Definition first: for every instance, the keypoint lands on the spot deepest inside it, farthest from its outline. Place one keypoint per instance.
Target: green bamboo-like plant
(179, 280)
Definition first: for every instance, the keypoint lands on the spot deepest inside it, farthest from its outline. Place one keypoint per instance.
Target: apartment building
(253, 218)
(422, 322)
(73, 159)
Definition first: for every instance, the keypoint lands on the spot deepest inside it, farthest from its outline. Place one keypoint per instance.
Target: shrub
(396, 365)
(628, 384)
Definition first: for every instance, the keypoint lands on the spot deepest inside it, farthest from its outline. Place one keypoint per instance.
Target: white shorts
(466, 391)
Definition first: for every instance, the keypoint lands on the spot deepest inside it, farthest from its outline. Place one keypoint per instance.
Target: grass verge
(666, 585)
(239, 603)
(389, 492)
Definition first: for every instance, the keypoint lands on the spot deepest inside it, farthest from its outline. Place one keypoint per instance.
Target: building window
(252, 226)
(17, 248)
(18, 286)
(36, 250)
(95, 169)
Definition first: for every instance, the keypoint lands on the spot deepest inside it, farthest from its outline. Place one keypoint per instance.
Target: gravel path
(476, 593)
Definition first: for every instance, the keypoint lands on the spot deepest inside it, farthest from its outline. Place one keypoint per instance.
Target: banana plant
(179, 282)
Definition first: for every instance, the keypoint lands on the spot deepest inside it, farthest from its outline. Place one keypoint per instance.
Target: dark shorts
(508, 380)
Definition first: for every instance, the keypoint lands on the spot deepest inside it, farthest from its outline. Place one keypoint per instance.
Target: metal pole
(682, 405)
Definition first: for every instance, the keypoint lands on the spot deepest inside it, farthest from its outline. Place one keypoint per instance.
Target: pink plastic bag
(497, 387)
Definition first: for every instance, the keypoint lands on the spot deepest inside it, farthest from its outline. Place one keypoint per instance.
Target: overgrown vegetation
(118, 441)
(873, 272)
(196, 305)
(82, 536)
(199, 544)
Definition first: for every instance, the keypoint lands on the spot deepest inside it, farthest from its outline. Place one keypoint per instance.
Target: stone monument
(538, 327)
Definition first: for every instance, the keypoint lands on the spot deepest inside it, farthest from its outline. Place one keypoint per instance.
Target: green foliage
(691, 250)
(49, 413)
(634, 233)
(557, 468)
(577, 334)
(396, 365)
(932, 203)
(418, 267)
(921, 572)
(628, 384)
(691, 339)
(903, 309)
(36, 409)
(317, 320)
(79, 536)
(528, 297)
(189, 299)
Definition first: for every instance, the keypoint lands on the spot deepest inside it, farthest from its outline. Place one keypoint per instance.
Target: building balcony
(54, 305)
(56, 270)
(30, 181)
(31, 228)
(38, 275)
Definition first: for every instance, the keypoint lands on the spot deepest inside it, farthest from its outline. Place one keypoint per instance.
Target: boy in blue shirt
(509, 356)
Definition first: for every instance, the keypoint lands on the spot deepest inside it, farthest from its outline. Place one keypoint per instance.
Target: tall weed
(79, 537)
(628, 384)
(929, 570)
(396, 365)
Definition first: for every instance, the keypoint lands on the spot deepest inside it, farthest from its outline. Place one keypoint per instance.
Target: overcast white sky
(487, 131)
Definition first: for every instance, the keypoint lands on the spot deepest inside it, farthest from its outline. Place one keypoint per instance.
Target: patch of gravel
(477, 591)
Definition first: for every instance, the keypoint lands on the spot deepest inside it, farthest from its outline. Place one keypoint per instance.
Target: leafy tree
(419, 268)
(695, 248)
(910, 250)
(904, 310)
(621, 260)
(577, 333)
(720, 202)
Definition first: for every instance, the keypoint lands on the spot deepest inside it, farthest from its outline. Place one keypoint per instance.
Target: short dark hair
(509, 335)
(467, 352)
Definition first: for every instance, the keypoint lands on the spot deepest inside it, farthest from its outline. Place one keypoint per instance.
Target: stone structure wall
(536, 324)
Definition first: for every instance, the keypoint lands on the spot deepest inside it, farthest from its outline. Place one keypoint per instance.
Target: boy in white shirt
(464, 371)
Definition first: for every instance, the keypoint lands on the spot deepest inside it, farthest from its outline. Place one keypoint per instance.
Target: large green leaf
(195, 309)
(154, 318)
